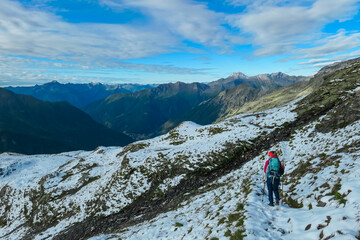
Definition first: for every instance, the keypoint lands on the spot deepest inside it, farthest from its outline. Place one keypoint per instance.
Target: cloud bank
(279, 29)
(34, 41)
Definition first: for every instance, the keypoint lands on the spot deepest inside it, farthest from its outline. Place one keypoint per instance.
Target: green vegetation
(238, 235)
(222, 221)
(335, 94)
(310, 206)
(6, 200)
(293, 203)
(227, 233)
(99, 151)
(3, 222)
(234, 217)
(302, 169)
(246, 187)
(175, 138)
(338, 196)
(240, 206)
(276, 98)
(133, 147)
(177, 224)
(216, 130)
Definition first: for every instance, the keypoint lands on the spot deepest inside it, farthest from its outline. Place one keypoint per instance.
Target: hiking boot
(277, 202)
(271, 204)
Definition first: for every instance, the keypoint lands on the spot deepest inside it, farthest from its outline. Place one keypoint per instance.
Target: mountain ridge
(263, 81)
(160, 109)
(78, 95)
(29, 125)
(141, 113)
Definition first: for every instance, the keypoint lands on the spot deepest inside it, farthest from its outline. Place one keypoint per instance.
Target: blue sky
(160, 41)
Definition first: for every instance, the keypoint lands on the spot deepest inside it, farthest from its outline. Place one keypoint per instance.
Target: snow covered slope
(325, 204)
(67, 188)
(201, 182)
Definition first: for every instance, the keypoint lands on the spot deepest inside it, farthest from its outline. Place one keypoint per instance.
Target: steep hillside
(214, 108)
(202, 182)
(141, 114)
(78, 95)
(30, 126)
(287, 94)
(155, 111)
(237, 90)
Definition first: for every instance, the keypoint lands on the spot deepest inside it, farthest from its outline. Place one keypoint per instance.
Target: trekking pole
(263, 190)
(282, 184)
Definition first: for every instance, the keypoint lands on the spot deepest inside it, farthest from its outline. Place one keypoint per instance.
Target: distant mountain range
(139, 111)
(30, 126)
(141, 114)
(237, 89)
(78, 95)
(155, 111)
(261, 81)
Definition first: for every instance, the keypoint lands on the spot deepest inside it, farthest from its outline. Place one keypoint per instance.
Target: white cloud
(327, 47)
(256, 4)
(316, 61)
(38, 34)
(326, 61)
(275, 28)
(338, 43)
(20, 71)
(330, 10)
(187, 19)
(31, 33)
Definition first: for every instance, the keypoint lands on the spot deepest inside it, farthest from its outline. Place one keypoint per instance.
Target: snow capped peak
(238, 75)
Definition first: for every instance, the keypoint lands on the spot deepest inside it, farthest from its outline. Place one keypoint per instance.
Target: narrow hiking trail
(265, 222)
(320, 177)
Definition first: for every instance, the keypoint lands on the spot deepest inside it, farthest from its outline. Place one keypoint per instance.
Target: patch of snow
(171, 182)
(336, 80)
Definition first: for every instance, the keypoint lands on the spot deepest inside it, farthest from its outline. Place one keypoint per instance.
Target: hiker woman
(273, 170)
